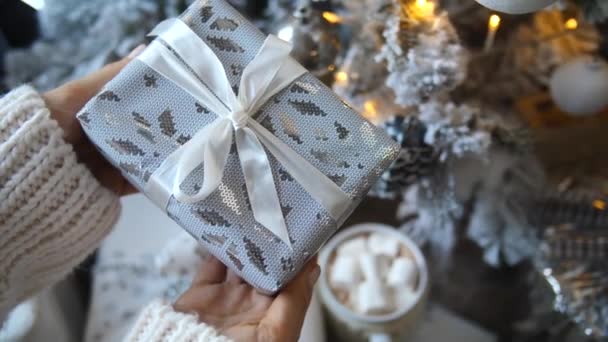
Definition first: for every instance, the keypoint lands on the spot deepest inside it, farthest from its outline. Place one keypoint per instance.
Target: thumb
(284, 319)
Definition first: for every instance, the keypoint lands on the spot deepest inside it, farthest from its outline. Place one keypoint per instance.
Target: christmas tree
(468, 88)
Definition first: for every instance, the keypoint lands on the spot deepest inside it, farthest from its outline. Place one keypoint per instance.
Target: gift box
(236, 142)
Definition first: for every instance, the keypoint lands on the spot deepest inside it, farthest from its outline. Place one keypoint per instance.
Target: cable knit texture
(158, 322)
(53, 213)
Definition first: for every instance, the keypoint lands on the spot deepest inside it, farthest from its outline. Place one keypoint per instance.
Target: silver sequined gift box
(140, 118)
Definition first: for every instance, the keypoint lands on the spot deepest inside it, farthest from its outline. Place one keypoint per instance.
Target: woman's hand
(66, 101)
(221, 299)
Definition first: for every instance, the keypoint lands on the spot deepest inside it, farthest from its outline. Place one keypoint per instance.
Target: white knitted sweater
(53, 213)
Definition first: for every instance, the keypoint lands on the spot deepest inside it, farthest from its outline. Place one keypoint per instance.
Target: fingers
(286, 314)
(233, 278)
(212, 271)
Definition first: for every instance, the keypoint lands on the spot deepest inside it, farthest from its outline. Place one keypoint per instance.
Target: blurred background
(501, 108)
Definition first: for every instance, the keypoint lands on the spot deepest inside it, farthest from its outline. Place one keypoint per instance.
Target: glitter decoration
(229, 199)
(167, 124)
(130, 168)
(214, 239)
(146, 134)
(206, 13)
(267, 123)
(321, 156)
(286, 209)
(255, 255)
(211, 217)
(341, 130)
(296, 88)
(287, 264)
(201, 109)
(84, 117)
(367, 134)
(233, 255)
(320, 134)
(343, 165)
(290, 128)
(307, 108)
(108, 96)
(338, 179)
(147, 176)
(225, 44)
(110, 119)
(246, 196)
(236, 69)
(140, 120)
(285, 176)
(150, 81)
(308, 88)
(224, 24)
(126, 147)
(183, 139)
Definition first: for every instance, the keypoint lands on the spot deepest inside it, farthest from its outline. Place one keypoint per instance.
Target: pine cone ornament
(416, 159)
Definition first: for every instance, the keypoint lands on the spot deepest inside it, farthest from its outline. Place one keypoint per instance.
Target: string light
(493, 25)
(332, 17)
(370, 109)
(571, 24)
(341, 77)
(599, 205)
(494, 22)
(422, 9)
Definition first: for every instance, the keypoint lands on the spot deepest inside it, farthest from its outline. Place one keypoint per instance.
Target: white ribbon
(182, 57)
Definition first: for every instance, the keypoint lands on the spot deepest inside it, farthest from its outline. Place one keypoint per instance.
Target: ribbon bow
(184, 58)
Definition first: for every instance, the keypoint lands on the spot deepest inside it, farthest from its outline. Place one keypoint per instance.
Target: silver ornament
(580, 86)
(516, 6)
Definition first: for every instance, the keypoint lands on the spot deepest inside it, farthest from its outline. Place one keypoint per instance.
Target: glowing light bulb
(370, 109)
(341, 76)
(35, 4)
(494, 22)
(599, 205)
(286, 33)
(332, 17)
(422, 9)
(571, 24)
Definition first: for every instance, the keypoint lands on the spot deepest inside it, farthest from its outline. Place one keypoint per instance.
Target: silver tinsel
(573, 257)
(424, 59)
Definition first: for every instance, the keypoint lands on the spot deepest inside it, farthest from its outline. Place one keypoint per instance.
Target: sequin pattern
(306, 116)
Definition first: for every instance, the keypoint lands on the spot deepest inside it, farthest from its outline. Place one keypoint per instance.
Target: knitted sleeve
(53, 212)
(158, 322)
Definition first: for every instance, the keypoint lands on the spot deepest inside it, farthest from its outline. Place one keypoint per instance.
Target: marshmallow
(373, 298)
(371, 267)
(402, 274)
(382, 244)
(404, 297)
(345, 272)
(353, 247)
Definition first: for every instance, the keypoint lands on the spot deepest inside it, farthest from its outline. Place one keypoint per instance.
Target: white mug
(351, 326)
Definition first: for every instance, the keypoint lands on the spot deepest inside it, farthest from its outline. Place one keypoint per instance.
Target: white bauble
(516, 6)
(580, 87)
